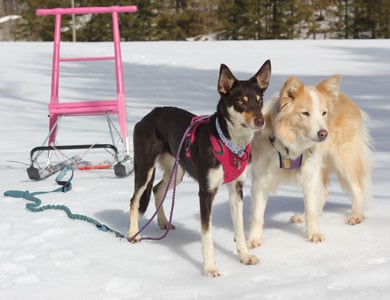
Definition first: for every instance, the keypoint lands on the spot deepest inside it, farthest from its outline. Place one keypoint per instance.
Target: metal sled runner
(85, 108)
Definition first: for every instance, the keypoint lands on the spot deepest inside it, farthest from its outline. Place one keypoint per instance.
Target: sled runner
(119, 149)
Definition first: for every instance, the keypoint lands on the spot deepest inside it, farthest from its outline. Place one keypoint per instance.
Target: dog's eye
(324, 113)
(305, 113)
(242, 101)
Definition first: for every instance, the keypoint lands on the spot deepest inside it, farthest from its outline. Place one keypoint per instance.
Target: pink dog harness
(233, 160)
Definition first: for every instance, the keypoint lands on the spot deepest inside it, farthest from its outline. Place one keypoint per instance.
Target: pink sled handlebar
(86, 10)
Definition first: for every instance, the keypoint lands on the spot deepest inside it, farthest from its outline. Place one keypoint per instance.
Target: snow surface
(48, 256)
(8, 18)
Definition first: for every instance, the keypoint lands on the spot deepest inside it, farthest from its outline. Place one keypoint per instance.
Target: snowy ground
(47, 256)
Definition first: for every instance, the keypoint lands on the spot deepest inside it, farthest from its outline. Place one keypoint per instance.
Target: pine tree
(33, 27)
(233, 18)
(383, 16)
(228, 19)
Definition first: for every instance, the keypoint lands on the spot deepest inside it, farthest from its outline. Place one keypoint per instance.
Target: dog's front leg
(206, 200)
(311, 216)
(236, 210)
(312, 190)
(259, 194)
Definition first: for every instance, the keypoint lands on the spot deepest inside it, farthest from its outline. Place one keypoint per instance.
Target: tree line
(214, 19)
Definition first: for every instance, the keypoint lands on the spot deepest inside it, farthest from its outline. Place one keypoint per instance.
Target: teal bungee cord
(35, 204)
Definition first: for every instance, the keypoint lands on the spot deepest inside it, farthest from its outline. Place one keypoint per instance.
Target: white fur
(317, 121)
(236, 210)
(215, 178)
(134, 214)
(240, 131)
(209, 266)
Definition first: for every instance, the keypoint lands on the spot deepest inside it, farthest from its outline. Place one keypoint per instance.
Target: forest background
(204, 20)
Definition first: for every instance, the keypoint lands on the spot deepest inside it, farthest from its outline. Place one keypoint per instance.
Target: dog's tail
(367, 150)
(145, 198)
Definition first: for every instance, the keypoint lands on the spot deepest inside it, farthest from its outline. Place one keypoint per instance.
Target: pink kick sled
(119, 150)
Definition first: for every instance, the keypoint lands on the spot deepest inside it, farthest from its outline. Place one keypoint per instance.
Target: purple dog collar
(285, 162)
(289, 164)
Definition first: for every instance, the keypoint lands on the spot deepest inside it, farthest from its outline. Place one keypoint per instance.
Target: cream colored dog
(311, 132)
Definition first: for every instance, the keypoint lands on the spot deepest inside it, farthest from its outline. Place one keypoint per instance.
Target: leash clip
(66, 185)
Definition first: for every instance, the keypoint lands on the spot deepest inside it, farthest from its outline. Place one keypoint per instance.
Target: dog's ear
(290, 90)
(226, 79)
(330, 86)
(263, 76)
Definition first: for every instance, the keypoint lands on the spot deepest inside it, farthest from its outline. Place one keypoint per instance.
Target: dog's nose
(259, 122)
(322, 134)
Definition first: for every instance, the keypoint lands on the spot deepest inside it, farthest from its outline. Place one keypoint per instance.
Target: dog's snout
(322, 134)
(259, 121)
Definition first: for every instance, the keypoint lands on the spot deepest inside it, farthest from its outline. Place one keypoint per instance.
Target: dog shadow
(114, 218)
(277, 216)
(276, 208)
(176, 241)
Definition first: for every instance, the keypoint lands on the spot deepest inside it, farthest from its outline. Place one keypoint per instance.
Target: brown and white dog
(218, 147)
(311, 132)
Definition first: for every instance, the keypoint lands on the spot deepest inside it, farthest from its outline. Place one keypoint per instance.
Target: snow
(48, 256)
(9, 18)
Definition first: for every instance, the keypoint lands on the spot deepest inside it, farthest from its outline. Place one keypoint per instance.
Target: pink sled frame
(116, 106)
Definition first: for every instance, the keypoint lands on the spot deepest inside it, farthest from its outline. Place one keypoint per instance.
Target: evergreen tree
(33, 27)
(227, 19)
(255, 28)
(205, 19)
(383, 16)
(232, 16)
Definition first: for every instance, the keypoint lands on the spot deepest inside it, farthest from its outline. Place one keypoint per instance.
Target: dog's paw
(253, 243)
(316, 238)
(249, 259)
(164, 224)
(355, 219)
(298, 219)
(211, 273)
(133, 239)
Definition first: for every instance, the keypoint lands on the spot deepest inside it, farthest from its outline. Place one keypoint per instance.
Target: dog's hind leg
(236, 210)
(354, 177)
(142, 181)
(145, 198)
(300, 218)
(357, 215)
(167, 162)
(146, 151)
